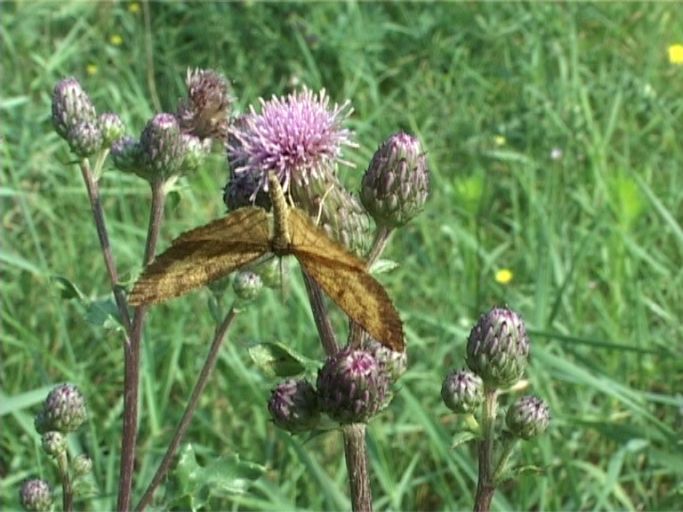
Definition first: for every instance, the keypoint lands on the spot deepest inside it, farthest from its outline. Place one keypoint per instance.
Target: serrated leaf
(103, 313)
(277, 360)
(192, 485)
(462, 437)
(382, 265)
(513, 473)
(67, 289)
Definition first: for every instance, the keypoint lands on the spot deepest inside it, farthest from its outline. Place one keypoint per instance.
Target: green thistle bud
(54, 443)
(392, 363)
(35, 495)
(294, 406)
(247, 285)
(498, 348)
(82, 465)
(528, 417)
(126, 154)
(111, 127)
(70, 106)
(462, 391)
(64, 409)
(163, 150)
(351, 387)
(84, 138)
(341, 214)
(396, 184)
(206, 110)
(271, 272)
(194, 152)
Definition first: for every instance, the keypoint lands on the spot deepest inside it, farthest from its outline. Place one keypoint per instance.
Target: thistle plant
(497, 356)
(300, 141)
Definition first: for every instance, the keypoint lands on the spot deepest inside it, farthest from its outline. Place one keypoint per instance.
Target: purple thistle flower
(300, 133)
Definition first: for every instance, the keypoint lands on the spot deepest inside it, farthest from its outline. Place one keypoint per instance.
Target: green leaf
(103, 313)
(67, 289)
(278, 360)
(462, 437)
(191, 485)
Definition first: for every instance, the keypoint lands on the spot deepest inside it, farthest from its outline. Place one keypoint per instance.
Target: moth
(246, 234)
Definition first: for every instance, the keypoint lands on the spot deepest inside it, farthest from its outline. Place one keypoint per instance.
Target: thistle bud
(272, 272)
(82, 465)
(392, 363)
(341, 215)
(396, 184)
(64, 409)
(70, 106)
(294, 406)
(206, 110)
(351, 387)
(528, 417)
(84, 138)
(194, 152)
(163, 150)
(247, 285)
(126, 154)
(462, 391)
(111, 127)
(498, 348)
(54, 443)
(35, 495)
(243, 189)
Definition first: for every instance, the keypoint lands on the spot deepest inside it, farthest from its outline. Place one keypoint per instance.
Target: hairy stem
(322, 320)
(67, 488)
(485, 484)
(182, 427)
(98, 216)
(131, 379)
(357, 467)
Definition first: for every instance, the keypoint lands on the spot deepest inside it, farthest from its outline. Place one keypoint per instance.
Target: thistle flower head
(35, 495)
(70, 105)
(498, 348)
(296, 135)
(64, 410)
(206, 110)
(54, 443)
(247, 285)
(462, 391)
(351, 386)
(528, 417)
(392, 363)
(294, 405)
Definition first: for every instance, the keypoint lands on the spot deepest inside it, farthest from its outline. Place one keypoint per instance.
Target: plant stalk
(357, 467)
(191, 407)
(485, 485)
(322, 320)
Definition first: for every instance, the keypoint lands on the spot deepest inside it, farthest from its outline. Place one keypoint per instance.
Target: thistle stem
(357, 467)
(92, 187)
(131, 379)
(67, 488)
(485, 484)
(182, 427)
(322, 320)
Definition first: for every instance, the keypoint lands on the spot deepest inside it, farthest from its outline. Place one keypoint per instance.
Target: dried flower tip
(247, 285)
(54, 443)
(294, 406)
(85, 138)
(64, 409)
(36, 496)
(111, 127)
(70, 106)
(351, 387)
(462, 391)
(205, 113)
(498, 348)
(396, 184)
(528, 417)
(296, 135)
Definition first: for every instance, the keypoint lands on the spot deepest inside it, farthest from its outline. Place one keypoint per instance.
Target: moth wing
(345, 280)
(202, 255)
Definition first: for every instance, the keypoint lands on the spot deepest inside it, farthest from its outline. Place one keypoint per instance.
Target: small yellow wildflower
(91, 69)
(504, 276)
(499, 140)
(134, 7)
(676, 54)
(116, 40)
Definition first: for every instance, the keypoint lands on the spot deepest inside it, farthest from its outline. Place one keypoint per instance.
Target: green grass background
(594, 239)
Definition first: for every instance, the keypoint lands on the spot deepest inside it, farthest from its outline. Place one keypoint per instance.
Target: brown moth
(210, 252)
